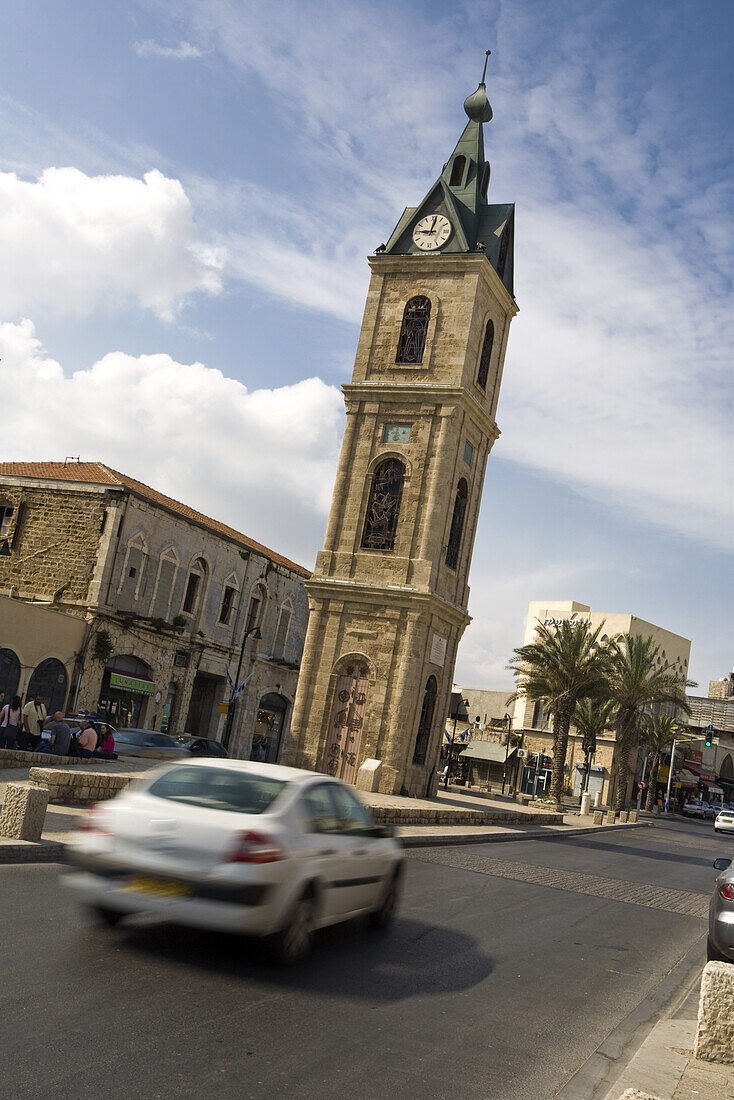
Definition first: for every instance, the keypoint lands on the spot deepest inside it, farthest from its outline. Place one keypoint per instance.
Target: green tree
(591, 718)
(639, 683)
(657, 733)
(563, 664)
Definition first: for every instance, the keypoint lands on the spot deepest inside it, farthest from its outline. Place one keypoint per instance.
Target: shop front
(536, 776)
(595, 784)
(127, 687)
(268, 733)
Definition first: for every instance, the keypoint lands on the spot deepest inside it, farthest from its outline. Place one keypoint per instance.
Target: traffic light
(709, 737)
(708, 741)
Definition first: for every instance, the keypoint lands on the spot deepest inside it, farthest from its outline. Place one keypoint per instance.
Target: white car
(237, 846)
(724, 821)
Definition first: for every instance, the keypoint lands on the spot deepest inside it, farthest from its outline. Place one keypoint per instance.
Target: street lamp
(253, 633)
(508, 722)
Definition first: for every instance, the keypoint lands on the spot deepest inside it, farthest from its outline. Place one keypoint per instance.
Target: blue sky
(188, 192)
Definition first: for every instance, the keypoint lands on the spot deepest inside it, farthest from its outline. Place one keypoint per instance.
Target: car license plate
(161, 888)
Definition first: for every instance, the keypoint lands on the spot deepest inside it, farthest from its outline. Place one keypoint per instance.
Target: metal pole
(538, 758)
(231, 706)
(508, 718)
(641, 791)
(670, 778)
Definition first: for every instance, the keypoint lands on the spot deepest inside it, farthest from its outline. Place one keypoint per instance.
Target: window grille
(457, 524)
(426, 721)
(486, 355)
(413, 332)
(383, 509)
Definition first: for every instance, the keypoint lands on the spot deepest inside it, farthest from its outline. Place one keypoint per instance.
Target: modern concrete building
(530, 719)
(165, 596)
(389, 592)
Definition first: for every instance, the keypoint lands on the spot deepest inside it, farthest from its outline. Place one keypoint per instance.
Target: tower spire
(476, 105)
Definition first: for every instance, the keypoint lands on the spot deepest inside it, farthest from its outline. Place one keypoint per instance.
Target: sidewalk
(664, 1067)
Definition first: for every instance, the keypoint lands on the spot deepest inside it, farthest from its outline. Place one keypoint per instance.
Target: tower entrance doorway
(347, 720)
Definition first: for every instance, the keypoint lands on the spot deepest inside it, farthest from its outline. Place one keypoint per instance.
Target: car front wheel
(293, 942)
(712, 954)
(102, 915)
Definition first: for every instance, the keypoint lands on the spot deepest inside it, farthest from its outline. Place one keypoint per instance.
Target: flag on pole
(238, 691)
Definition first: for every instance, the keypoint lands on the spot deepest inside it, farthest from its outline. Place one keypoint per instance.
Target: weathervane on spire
(477, 105)
(484, 71)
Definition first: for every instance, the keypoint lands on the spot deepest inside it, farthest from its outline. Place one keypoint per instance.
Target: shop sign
(131, 683)
(223, 707)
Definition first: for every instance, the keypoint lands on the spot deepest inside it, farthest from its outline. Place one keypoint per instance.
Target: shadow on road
(348, 960)
(631, 850)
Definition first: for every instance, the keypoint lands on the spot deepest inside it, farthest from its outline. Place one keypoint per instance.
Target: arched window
(49, 679)
(486, 355)
(485, 181)
(9, 673)
(426, 721)
(281, 633)
(381, 519)
(348, 708)
(727, 768)
(457, 524)
(413, 332)
(194, 585)
(132, 573)
(457, 171)
(167, 568)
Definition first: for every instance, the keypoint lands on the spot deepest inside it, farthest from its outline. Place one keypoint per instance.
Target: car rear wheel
(102, 915)
(712, 954)
(293, 942)
(382, 916)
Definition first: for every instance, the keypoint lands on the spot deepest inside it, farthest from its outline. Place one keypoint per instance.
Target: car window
(217, 789)
(159, 740)
(352, 814)
(129, 737)
(319, 808)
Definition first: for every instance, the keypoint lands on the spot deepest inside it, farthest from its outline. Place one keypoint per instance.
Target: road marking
(632, 893)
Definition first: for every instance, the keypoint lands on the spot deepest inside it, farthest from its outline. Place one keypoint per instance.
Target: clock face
(432, 232)
(396, 433)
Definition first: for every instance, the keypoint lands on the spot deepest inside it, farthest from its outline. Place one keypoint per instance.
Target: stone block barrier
(598, 817)
(632, 818)
(73, 788)
(422, 815)
(715, 1030)
(611, 817)
(24, 811)
(18, 758)
(623, 817)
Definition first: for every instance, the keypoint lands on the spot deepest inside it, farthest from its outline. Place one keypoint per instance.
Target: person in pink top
(11, 721)
(87, 740)
(106, 740)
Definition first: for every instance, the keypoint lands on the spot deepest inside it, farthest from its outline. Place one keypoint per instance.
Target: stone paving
(634, 893)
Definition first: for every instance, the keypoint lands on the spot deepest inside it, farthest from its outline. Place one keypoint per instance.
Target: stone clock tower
(389, 592)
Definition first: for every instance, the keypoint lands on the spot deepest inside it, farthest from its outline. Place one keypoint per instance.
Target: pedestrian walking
(11, 723)
(34, 715)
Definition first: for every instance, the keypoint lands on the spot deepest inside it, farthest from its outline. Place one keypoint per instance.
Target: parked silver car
(150, 743)
(721, 914)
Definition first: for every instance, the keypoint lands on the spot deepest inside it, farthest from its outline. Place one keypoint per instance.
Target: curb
(30, 851)
(51, 851)
(436, 839)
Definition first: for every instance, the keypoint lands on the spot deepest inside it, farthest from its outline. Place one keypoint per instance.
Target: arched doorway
(127, 685)
(271, 712)
(347, 719)
(50, 680)
(9, 673)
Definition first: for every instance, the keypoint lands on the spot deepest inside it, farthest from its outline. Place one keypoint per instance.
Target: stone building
(38, 650)
(166, 594)
(389, 592)
(530, 720)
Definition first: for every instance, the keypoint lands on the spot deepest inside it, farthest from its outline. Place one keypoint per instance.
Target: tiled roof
(96, 473)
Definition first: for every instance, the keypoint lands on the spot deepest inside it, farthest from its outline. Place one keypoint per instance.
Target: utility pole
(254, 633)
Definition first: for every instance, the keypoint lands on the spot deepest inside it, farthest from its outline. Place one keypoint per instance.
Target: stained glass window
(413, 332)
(486, 355)
(426, 721)
(383, 509)
(457, 524)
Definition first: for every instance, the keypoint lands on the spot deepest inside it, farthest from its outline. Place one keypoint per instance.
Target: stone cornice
(446, 263)
(430, 392)
(336, 588)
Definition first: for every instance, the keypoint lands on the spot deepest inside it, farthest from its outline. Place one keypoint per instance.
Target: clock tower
(388, 596)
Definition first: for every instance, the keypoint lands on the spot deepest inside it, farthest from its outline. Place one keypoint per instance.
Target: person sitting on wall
(60, 739)
(87, 741)
(106, 746)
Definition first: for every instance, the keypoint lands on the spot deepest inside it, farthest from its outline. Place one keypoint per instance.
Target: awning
(486, 750)
(685, 780)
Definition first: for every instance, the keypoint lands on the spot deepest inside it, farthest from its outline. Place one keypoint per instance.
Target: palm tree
(561, 666)
(638, 683)
(591, 718)
(657, 733)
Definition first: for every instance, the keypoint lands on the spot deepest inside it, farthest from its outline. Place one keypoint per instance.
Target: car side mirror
(722, 864)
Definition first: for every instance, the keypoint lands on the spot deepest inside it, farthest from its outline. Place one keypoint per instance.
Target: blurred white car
(724, 821)
(237, 846)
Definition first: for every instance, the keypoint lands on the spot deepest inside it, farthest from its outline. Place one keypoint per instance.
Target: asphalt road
(507, 967)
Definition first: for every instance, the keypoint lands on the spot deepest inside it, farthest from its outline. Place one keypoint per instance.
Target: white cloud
(72, 243)
(262, 461)
(183, 52)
